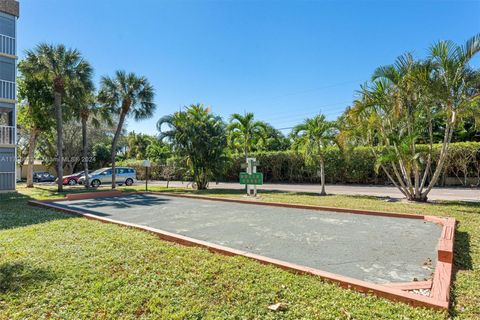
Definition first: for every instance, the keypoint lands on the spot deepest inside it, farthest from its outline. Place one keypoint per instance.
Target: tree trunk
(443, 155)
(58, 115)
(322, 177)
(114, 146)
(31, 156)
(85, 151)
(246, 160)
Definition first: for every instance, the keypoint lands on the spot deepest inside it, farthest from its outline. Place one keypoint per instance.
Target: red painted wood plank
(410, 285)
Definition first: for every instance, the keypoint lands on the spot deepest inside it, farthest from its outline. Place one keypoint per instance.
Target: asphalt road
(371, 248)
(459, 194)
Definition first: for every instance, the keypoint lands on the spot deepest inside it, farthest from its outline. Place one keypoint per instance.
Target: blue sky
(282, 60)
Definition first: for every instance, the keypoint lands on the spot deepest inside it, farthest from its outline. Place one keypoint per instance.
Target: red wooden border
(410, 285)
(440, 285)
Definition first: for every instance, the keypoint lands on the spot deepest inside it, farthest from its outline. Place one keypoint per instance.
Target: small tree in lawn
(128, 96)
(312, 137)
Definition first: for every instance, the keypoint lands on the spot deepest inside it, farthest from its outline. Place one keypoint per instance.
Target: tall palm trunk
(85, 150)
(322, 177)
(31, 155)
(246, 159)
(114, 145)
(443, 154)
(57, 100)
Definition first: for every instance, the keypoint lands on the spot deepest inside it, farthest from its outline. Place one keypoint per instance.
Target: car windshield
(98, 171)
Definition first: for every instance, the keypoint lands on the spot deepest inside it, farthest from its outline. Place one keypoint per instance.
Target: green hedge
(289, 166)
(463, 163)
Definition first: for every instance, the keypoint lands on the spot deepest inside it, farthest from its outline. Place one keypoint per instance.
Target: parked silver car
(124, 175)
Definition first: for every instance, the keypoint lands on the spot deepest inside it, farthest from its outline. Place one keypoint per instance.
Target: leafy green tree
(129, 96)
(137, 144)
(35, 108)
(157, 151)
(101, 153)
(199, 137)
(410, 100)
(274, 140)
(312, 137)
(64, 71)
(244, 132)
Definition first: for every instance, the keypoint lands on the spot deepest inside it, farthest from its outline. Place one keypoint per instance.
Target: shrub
(354, 166)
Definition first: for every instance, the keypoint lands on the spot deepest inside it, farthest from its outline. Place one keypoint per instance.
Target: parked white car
(124, 175)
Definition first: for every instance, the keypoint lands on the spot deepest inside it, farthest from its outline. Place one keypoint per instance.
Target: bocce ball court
(397, 256)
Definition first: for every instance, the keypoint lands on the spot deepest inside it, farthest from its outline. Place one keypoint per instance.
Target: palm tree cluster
(56, 79)
(407, 103)
(200, 138)
(415, 101)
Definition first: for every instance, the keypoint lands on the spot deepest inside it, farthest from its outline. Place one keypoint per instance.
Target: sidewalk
(452, 194)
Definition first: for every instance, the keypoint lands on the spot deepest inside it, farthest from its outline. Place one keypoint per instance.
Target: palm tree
(245, 131)
(312, 137)
(128, 96)
(88, 110)
(65, 71)
(198, 137)
(455, 80)
(404, 102)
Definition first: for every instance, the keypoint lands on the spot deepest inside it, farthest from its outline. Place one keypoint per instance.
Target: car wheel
(96, 183)
(72, 182)
(129, 182)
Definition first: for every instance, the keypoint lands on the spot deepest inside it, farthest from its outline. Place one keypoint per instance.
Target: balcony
(7, 89)
(7, 135)
(7, 45)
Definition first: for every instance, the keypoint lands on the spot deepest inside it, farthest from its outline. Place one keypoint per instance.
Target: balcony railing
(7, 89)
(7, 135)
(7, 44)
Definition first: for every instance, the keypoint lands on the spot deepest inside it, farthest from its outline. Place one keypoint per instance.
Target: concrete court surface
(371, 248)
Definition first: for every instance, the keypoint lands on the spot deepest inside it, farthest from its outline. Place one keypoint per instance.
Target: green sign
(254, 178)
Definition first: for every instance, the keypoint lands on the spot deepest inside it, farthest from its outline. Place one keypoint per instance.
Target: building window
(7, 27)
(7, 71)
(6, 118)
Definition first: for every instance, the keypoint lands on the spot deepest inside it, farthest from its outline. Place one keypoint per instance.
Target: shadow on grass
(462, 257)
(462, 261)
(15, 212)
(18, 276)
(461, 206)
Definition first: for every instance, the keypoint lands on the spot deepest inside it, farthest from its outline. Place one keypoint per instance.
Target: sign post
(146, 164)
(251, 178)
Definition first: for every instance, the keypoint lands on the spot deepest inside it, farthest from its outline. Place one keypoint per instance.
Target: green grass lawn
(53, 265)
